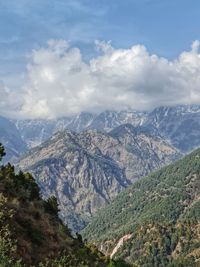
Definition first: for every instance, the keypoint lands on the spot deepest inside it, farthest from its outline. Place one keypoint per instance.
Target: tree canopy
(2, 152)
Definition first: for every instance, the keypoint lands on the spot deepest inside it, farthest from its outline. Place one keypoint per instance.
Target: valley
(101, 169)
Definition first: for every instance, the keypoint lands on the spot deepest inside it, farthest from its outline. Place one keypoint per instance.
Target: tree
(51, 205)
(79, 237)
(2, 152)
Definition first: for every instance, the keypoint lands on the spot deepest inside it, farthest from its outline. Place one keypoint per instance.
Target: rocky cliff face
(11, 138)
(179, 124)
(86, 170)
(36, 131)
(108, 120)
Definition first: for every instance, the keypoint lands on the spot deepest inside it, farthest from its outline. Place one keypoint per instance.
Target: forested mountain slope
(158, 216)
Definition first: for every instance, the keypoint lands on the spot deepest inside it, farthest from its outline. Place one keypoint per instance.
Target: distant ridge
(179, 124)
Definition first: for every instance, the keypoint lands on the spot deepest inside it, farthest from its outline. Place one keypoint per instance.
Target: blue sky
(165, 27)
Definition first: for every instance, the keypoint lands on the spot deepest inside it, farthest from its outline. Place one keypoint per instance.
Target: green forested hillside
(31, 234)
(161, 211)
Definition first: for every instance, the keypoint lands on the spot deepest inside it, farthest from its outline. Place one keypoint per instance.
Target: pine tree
(2, 152)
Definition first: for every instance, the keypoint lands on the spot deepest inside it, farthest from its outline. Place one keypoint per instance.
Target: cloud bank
(59, 82)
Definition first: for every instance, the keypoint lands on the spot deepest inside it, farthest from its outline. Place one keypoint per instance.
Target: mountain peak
(87, 170)
(123, 129)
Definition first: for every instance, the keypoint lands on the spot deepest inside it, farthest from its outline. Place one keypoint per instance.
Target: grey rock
(11, 139)
(179, 124)
(85, 171)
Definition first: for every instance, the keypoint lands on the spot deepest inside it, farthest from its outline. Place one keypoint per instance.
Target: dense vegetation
(161, 211)
(31, 234)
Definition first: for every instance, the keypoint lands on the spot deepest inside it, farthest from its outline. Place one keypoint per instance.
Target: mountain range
(100, 168)
(85, 171)
(180, 125)
(12, 140)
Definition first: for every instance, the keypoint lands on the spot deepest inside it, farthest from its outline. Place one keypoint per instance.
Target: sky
(61, 57)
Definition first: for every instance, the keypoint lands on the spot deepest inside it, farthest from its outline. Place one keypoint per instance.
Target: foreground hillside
(156, 220)
(30, 231)
(86, 170)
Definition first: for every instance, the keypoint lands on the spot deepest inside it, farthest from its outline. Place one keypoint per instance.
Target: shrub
(51, 206)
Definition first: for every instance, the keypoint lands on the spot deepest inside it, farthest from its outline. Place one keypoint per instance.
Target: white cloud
(60, 83)
(9, 101)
